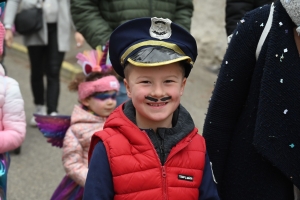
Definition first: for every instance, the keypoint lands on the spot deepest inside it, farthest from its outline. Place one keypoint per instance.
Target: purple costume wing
(53, 127)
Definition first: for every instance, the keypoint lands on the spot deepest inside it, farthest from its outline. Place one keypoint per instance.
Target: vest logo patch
(185, 177)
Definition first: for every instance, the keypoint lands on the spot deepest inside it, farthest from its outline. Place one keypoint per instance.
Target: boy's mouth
(156, 100)
(157, 104)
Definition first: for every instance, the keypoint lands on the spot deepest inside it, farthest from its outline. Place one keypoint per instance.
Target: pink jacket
(12, 115)
(77, 143)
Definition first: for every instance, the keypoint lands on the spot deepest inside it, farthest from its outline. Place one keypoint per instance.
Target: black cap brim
(155, 56)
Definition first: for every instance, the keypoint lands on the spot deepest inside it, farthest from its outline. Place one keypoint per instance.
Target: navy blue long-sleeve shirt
(99, 183)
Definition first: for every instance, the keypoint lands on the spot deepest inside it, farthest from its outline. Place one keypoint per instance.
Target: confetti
(281, 58)
(262, 24)
(286, 31)
(237, 33)
(280, 23)
(242, 21)
(285, 111)
(226, 62)
(281, 80)
(231, 80)
(292, 145)
(276, 55)
(285, 50)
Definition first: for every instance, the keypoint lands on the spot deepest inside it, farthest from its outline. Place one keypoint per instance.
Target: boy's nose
(157, 91)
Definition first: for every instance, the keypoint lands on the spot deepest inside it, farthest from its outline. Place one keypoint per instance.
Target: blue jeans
(122, 95)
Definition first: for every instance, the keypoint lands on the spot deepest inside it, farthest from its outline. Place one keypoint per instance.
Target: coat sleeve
(208, 188)
(13, 118)
(89, 22)
(10, 12)
(184, 13)
(230, 92)
(99, 184)
(73, 160)
(234, 11)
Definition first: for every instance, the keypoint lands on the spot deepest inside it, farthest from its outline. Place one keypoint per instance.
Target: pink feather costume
(74, 134)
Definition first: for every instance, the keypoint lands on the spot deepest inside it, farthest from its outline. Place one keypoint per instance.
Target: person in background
(12, 119)
(252, 124)
(46, 50)
(97, 88)
(236, 9)
(96, 19)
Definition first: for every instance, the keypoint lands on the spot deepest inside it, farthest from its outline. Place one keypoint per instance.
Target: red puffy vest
(136, 168)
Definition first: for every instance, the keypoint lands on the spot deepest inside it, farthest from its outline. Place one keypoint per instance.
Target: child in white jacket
(12, 122)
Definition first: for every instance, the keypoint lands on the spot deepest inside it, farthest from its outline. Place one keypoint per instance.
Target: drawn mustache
(156, 100)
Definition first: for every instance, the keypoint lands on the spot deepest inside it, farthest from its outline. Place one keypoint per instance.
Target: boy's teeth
(157, 104)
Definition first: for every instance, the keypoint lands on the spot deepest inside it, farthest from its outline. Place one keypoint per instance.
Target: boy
(150, 148)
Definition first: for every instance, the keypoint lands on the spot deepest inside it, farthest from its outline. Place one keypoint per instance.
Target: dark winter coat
(253, 121)
(236, 9)
(96, 19)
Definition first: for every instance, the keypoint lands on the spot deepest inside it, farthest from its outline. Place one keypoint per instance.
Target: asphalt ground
(36, 172)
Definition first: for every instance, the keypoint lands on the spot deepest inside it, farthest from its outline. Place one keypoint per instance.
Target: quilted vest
(137, 171)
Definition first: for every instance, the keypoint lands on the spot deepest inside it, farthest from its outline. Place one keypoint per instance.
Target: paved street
(36, 172)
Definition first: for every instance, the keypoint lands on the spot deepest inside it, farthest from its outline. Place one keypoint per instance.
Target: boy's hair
(182, 64)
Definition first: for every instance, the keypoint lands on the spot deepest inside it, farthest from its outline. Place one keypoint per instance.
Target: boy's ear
(182, 86)
(127, 88)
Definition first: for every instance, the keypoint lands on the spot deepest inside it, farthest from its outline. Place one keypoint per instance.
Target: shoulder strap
(265, 32)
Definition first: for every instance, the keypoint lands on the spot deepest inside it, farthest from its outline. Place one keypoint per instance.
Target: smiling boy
(157, 82)
(149, 147)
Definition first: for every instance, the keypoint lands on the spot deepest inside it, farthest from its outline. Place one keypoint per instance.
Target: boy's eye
(146, 82)
(169, 81)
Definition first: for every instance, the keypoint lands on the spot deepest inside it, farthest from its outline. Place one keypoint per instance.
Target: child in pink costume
(97, 89)
(12, 120)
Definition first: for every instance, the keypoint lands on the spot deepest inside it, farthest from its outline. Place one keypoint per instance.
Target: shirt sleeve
(89, 22)
(208, 189)
(184, 12)
(13, 116)
(99, 184)
(231, 92)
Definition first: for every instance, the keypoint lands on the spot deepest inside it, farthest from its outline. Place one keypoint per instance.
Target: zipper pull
(161, 149)
(164, 174)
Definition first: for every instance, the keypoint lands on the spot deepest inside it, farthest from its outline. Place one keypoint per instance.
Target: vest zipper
(164, 176)
(163, 169)
(162, 151)
(157, 156)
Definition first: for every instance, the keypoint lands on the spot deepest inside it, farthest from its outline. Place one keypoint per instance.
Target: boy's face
(155, 92)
